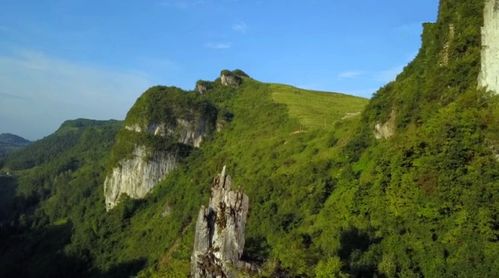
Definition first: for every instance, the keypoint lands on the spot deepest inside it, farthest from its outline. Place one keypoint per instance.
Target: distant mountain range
(11, 142)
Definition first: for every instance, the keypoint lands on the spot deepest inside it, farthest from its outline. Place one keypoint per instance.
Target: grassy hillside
(317, 109)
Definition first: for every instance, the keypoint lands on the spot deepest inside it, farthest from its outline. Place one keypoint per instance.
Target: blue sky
(65, 59)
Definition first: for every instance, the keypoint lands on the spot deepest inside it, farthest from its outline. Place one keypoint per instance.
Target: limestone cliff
(387, 129)
(219, 239)
(184, 131)
(489, 73)
(160, 129)
(232, 78)
(138, 175)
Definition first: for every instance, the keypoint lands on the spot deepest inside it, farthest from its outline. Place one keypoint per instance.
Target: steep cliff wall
(138, 175)
(489, 74)
(160, 129)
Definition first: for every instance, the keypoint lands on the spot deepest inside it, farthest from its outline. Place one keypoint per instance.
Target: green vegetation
(137, 232)
(158, 106)
(53, 181)
(326, 198)
(317, 109)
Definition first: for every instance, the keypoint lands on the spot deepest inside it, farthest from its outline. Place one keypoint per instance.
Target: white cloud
(218, 45)
(181, 4)
(350, 74)
(39, 92)
(241, 27)
(382, 76)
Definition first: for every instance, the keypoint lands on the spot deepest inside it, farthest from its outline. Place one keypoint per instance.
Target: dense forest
(328, 195)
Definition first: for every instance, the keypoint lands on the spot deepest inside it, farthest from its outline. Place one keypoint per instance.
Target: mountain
(52, 179)
(10, 142)
(314, 184)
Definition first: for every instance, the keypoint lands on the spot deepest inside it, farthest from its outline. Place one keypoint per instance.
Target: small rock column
(219, 238)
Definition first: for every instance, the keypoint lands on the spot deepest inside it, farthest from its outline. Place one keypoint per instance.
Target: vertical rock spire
(219, 238)
(489, 72)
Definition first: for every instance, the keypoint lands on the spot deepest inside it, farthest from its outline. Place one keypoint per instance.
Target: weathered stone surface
(219, 239)
(228, 78)
(201, 88)
(387, 129)
(489, 73)
(444, 56)
(184, 131)
(137, 175)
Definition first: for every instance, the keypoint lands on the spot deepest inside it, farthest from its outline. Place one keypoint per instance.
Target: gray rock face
(201, 88)
(489, 73)
(387, 129)
(444, 56)
(230, 79)
(136, 176)
(219, 239)
(184, 131)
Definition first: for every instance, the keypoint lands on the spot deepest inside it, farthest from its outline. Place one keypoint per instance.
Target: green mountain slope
(269, 159)
(317, 109)
(424, 200)
(52, 180)
(259, 136)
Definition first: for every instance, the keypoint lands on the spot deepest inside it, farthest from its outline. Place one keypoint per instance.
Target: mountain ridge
(10, 142)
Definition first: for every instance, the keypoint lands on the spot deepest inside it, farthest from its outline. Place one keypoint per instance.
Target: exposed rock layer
(183, 131)
(489, 74)
(136, 176)
(219, 238)
(228, 78)
(387, 129)
(157, 137)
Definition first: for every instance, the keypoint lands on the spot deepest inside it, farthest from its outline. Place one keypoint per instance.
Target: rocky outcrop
(444, 56)
(387, 129)
(229, 78)
(203, 86)
(184, 131)
(137, 175)
(489, 73)
(219, 238)
(160, 129)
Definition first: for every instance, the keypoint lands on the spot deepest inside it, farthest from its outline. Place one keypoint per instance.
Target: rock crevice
(219, 239)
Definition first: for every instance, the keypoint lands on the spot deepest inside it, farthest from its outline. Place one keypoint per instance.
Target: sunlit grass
(317, 109)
